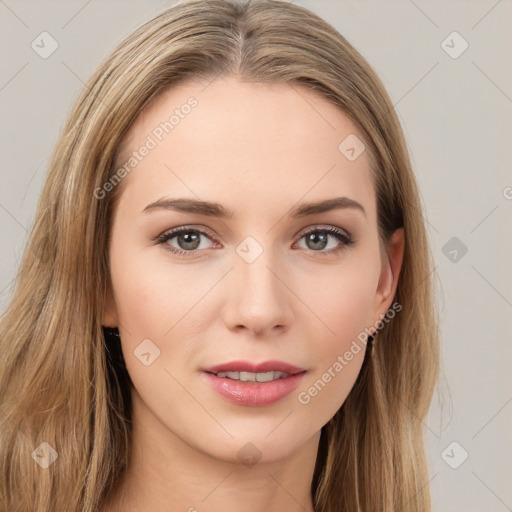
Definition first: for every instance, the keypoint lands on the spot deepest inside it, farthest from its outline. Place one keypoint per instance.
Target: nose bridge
(258, 298)
(255, 264)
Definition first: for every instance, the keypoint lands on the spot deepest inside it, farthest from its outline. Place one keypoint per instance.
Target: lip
(253, 394)
(248, 366)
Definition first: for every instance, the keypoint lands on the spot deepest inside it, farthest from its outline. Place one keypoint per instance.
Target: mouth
(249, 384)
(248, 369)
(253, 377)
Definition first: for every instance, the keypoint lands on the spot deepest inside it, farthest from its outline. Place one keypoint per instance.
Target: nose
(258, 296)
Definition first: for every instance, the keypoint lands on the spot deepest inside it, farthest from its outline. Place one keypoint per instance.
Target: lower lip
(253, 394)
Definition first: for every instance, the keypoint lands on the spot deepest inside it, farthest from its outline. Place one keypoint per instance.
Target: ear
(390, 271)
(110, 318)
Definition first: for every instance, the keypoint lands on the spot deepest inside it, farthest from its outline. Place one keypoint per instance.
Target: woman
(226, 299)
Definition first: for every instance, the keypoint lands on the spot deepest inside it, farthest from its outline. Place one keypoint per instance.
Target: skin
(259, 150)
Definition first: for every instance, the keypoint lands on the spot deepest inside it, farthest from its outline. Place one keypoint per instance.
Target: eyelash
(342, 236)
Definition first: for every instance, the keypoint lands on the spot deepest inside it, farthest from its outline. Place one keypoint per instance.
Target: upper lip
(248, 366)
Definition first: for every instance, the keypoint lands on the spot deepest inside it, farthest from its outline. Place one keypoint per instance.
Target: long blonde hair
(59, 383)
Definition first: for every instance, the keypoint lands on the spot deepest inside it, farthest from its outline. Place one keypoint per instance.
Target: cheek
(349, 311)
(163, 310)
(343, 301)
(347, 315)
(343, 306)
(156, 303)
(152, 294)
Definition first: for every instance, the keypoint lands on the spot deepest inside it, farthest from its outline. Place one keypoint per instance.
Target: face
(259, 283)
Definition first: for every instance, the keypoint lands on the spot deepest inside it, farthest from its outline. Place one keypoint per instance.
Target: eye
(186, 237)
(189, 240)
(317, 239)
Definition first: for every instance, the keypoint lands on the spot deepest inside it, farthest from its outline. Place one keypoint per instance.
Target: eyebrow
(212, 209)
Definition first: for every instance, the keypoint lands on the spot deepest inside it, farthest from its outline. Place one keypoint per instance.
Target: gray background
(456, 113)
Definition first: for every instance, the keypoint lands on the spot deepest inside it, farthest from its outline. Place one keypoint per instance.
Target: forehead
(232, 142)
